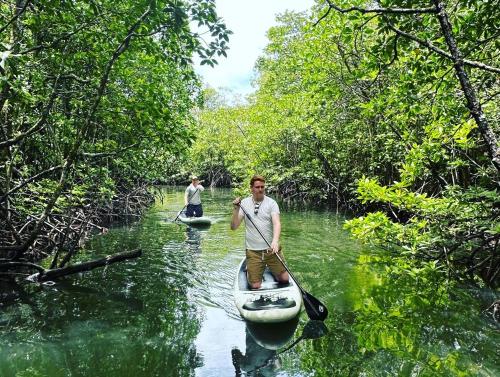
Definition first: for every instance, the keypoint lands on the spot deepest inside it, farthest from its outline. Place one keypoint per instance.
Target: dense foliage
(95, 99)
(389, 107)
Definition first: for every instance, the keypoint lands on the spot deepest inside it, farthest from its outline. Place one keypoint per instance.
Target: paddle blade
(314, 308)
(314, 330)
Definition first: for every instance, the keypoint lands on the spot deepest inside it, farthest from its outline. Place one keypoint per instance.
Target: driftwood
(85, 266)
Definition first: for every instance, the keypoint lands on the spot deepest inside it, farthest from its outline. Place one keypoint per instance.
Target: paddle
(185, 205)
(314, 308)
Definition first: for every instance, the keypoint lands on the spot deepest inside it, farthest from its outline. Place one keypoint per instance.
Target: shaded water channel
(171, 312)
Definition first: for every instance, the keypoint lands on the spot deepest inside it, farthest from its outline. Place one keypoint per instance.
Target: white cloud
(249, 21)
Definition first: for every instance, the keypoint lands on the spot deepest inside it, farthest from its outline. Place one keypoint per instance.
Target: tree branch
(108, 154)
(425, 43)
(54, 43)
(16, 16)
(29, 180)
(86, 266)
(473, 104)
(382, 10)
(39, 125)
(441, 52)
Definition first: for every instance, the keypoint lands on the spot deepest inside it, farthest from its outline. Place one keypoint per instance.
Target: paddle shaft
(264, 238)
(185, 205)
(305, 295)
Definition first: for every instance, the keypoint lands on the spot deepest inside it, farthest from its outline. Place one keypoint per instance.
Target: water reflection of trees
(403, 325)
(140, 324)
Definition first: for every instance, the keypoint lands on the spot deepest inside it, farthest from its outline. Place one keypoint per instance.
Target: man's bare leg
(256, 285)
(283, 278)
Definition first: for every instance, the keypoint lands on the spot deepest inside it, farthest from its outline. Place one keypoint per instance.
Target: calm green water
(171, 312)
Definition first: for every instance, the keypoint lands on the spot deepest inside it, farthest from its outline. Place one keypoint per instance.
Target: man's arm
(276, 232)
(237, 217)
(186, 198)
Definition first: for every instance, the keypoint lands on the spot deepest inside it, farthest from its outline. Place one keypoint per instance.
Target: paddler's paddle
(312, 330)
(185, 205)
(314, 308)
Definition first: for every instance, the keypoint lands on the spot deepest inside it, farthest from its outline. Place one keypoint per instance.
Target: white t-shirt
(194, 197)
(262, 220)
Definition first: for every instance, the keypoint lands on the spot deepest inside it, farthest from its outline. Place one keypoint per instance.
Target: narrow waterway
(171, 312)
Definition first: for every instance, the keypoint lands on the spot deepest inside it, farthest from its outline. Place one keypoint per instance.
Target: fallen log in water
(85, 266)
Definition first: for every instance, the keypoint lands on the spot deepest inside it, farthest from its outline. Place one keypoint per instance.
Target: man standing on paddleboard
(192, 198)
(264, 229)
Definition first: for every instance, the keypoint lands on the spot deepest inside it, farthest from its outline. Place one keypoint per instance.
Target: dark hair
(256, 178)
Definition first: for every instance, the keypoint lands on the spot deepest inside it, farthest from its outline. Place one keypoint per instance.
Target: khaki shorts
(256, 264)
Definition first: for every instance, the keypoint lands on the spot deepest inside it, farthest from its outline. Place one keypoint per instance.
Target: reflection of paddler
(193, 238)
(257, 359)
(273, 336)
(262, 342)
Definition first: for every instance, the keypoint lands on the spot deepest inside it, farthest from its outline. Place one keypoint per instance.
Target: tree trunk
(473, 104)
